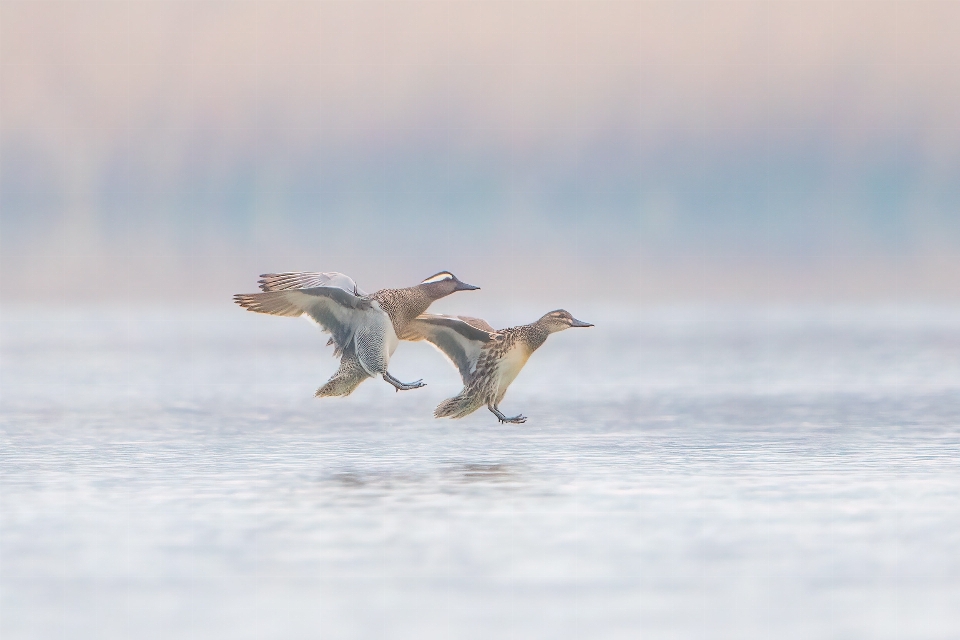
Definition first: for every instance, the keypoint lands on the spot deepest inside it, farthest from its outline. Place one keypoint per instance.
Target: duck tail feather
(457, 407)
(347, 378)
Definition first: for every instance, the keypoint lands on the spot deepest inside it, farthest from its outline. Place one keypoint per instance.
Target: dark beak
(463, 286)
(580, 323)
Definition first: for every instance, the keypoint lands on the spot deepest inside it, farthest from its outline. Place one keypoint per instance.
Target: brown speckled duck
(365, 329)
(488, 360)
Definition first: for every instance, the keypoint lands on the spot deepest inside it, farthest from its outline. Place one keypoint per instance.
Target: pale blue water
(684, 474)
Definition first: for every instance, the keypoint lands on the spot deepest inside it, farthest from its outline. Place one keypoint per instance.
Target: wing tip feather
(268, 302)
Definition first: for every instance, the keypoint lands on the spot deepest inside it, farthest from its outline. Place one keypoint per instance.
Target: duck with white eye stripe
(365, 329)
(488, 360)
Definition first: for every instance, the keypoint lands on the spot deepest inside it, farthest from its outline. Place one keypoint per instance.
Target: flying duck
(488, 360)
(365, 329)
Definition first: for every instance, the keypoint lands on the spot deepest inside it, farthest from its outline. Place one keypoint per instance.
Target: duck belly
(509, 367)
(393, 341)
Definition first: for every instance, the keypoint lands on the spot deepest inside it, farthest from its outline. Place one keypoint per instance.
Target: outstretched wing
(308, 280)
(336, 310)
(460, 338)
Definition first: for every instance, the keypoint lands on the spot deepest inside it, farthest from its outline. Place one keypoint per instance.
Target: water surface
(705, 473)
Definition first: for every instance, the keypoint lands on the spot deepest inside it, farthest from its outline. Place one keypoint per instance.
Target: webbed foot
(517, 419)
(403, 386)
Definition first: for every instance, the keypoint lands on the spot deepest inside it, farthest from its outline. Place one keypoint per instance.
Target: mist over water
(717, 472)
(787, 150)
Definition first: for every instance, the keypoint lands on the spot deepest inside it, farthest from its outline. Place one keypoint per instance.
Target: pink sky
(535, 87)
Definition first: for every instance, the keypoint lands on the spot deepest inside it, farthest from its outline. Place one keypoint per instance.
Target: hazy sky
(659, 148)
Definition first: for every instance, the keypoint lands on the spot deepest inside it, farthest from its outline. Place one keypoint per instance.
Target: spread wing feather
(460, 338)
(336, 310)
(308, 280)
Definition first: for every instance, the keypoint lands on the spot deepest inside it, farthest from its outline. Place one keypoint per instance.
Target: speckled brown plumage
(485, 388)
(347, 378)
(499, 361)
(403, 305)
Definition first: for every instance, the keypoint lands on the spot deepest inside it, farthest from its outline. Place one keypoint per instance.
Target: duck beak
(580, 323)
(463, 286)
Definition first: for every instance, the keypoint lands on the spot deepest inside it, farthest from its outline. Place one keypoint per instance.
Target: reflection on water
(445, 478)
(722, 475)
(348, 480)
(485, 473)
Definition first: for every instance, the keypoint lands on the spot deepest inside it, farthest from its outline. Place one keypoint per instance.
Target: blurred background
(757, 204)
(637, 151)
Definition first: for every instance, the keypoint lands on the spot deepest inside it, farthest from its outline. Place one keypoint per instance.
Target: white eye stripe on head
(443, 275)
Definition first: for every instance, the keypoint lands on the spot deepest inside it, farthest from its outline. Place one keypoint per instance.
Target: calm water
(684, 474)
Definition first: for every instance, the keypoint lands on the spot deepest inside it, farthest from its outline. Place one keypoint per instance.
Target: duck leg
(403, 386)
(518, 419)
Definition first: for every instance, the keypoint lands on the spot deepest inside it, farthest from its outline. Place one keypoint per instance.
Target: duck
(488, 360)
(364, 329)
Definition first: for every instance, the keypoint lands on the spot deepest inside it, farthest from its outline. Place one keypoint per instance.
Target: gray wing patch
(308, 280)
(458, 338)
(338, 295)
(478, 323)
(466, 327)
(334, 309)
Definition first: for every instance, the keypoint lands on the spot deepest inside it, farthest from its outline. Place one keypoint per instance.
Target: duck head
(559, 320)
(443, 284)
